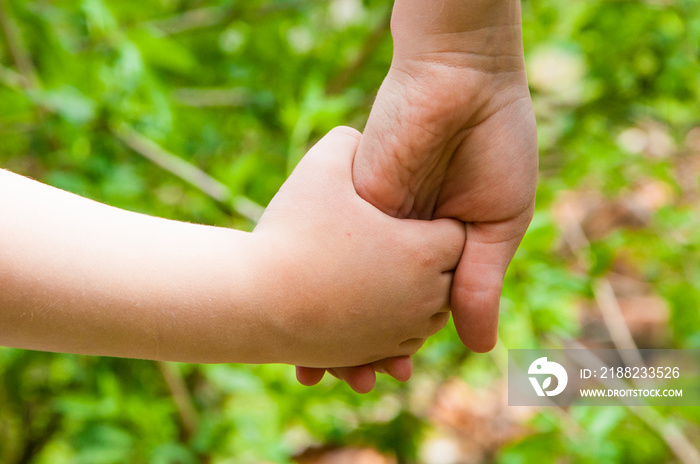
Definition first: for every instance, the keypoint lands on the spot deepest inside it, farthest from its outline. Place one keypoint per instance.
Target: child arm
(325, 279)
(83, 277)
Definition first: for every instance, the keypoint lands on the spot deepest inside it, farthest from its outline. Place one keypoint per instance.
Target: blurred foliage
(240, 90)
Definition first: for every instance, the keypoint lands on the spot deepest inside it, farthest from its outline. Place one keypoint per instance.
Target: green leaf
(68, 102)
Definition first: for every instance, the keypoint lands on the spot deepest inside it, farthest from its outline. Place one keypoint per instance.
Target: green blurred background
(99, 96)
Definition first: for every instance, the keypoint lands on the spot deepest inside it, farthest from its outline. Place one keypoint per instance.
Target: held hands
(452, 134)
(352, 284)
(325, 280)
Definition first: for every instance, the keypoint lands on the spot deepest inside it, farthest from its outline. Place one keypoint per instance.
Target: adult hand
(452, 134)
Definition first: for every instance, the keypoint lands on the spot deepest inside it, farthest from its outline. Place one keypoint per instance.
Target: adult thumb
(478, 280)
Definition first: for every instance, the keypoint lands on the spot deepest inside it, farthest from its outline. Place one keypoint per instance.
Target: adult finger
(478, 281)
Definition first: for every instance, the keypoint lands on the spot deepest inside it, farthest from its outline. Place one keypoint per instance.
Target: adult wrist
(475, 28)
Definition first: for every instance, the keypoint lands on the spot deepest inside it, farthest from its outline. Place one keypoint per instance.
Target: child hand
(325, 280)
(349, 284)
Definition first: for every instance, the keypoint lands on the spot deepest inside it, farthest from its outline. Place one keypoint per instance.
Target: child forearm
(82, 277)
(325, 280)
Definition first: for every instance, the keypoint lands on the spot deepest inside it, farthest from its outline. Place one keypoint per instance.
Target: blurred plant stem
(621, 337)
(15, 46)
(204, 17)
(220, 193)
(674, 437)
(349, 74)
(182, 398)
(188, 172)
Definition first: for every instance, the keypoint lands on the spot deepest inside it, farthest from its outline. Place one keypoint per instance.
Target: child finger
(437, 322)
(360, 378)
(400, 368)
(309, 376)
(411, 346)
(440, 242)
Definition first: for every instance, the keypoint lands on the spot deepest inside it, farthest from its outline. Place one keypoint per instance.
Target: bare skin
(453, 134)
(82, 277)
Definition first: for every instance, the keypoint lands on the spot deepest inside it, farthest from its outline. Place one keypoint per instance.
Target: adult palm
(452, 134)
